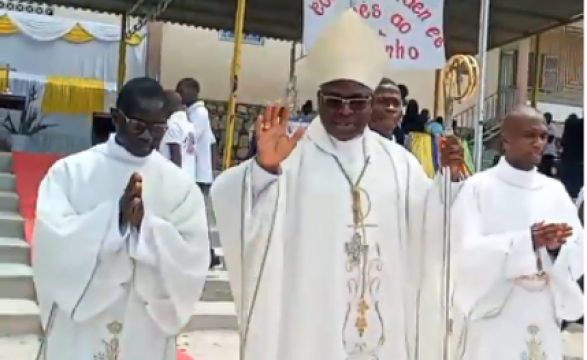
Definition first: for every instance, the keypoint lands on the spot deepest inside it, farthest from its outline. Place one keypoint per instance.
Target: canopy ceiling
(282, 19)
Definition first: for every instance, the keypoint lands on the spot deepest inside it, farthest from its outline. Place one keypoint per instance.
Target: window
(548, 73)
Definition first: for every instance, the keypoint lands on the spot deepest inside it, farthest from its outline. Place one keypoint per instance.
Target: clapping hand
(273, 142)
(551, 236)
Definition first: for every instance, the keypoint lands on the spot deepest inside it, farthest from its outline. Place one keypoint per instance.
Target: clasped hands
(550, 235)
(131, 210)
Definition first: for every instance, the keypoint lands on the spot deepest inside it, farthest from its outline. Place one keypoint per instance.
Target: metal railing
(497, 105)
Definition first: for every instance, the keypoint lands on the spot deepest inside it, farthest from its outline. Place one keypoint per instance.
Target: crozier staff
(329, 235)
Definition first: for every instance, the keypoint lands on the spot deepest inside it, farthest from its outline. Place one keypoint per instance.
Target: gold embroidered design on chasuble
(363, 329)
(533, 345)
(112, 346)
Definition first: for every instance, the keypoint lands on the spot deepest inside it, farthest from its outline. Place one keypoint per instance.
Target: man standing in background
(387, 109)
(189, 90)
(178, 144)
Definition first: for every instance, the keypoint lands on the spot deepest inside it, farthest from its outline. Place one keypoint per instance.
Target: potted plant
(30, 123)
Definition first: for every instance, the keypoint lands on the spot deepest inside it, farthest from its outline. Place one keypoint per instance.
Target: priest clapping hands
(273, 142)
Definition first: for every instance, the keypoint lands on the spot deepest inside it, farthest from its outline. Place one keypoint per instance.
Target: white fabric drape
(50, 28)
(39, 48)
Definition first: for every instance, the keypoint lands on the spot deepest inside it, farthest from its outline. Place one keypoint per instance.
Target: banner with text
(412, 30)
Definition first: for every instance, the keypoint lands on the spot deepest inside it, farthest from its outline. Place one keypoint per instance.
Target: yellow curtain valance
(77, 35)
(73, 96)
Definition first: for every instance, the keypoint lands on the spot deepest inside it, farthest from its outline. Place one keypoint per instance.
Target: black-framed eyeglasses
(338, 103)
(138, 126)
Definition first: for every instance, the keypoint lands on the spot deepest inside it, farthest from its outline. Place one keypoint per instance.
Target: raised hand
(273, 142)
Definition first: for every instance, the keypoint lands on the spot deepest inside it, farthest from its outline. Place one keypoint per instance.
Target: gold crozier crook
(460, 79)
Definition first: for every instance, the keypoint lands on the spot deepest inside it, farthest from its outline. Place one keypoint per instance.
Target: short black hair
(172, 101)
(189, 83)
(387, 82)
(136, 91)
(403, 90)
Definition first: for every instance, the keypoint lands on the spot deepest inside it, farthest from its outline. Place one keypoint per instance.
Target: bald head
(520, 116)
(524, 133)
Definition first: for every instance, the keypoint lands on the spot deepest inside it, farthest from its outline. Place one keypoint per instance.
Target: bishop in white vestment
(108, 289)
(510, 291)
(325, 249)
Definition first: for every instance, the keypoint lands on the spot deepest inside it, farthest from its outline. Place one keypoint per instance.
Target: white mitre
(348, 49)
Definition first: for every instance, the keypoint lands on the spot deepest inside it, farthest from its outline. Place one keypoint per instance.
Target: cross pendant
(355, 249)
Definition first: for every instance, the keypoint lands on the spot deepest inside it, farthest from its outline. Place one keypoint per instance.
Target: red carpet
(29, 170)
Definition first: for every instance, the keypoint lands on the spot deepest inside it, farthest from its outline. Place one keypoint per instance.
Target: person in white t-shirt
(179, 142)
(189, 89)
(548, 162)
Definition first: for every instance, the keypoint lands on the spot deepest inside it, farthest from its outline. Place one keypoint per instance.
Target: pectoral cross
(356, 248)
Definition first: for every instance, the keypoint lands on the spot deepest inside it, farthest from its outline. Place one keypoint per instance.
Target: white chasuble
(325, 259)
(511, 304)
(117, 294)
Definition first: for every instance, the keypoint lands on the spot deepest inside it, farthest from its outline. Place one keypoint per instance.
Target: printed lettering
(418, 8)
(436, 35)
(398, 21)
(376, 10)
(366, 13)
(398, 50)
(317, 8)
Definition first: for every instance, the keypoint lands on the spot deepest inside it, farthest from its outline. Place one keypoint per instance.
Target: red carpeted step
(29, 170)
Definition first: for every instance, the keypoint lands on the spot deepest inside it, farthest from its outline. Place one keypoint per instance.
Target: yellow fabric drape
(6, 26)
(77, 35)
(73, 96)
(421, 147)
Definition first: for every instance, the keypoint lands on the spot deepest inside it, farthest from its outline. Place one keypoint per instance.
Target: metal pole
(480, 108)
(234, 75)
(122, 53)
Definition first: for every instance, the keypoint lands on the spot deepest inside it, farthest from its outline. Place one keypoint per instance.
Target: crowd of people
(563, 155)
(335, 238)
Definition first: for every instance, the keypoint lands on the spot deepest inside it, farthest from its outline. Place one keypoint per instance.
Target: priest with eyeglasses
(332, 235)
(121, 248)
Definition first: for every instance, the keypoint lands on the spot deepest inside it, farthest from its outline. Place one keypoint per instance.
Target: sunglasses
(138, 126)
(339, 103)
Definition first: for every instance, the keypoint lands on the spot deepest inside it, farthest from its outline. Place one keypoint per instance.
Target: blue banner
(250, 39)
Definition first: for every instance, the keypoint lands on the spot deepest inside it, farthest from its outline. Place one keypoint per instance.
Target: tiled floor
(217, 345)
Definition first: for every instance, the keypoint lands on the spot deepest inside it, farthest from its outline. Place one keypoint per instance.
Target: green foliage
(31, 122)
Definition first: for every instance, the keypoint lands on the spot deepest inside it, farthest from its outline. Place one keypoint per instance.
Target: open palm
(273, 142)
